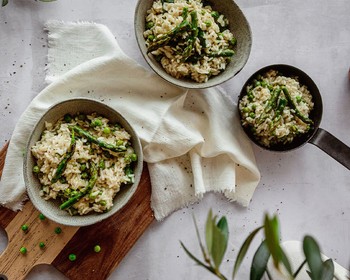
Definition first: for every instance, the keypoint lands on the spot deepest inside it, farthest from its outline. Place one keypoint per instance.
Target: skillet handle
(332, 146)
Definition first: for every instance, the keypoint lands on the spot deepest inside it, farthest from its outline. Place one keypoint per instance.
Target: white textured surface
(309, 190)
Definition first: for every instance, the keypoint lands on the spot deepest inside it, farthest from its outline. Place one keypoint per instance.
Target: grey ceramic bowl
(50, 208)
(238, 25)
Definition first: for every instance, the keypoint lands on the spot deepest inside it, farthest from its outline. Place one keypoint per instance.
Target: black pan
(316, 136)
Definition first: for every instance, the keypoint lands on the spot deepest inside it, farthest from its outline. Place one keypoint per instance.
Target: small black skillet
(316, 135)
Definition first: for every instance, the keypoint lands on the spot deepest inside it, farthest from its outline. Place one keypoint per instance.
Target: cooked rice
(164, 17)
(53, 146)
(275, 127)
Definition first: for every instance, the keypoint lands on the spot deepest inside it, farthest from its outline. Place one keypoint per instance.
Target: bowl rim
(183, 83)
(89, 219)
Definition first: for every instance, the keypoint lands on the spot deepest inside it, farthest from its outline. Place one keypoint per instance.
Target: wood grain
(115, 235)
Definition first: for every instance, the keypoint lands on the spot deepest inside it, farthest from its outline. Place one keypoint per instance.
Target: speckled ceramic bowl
(51, 208)
(238, 25)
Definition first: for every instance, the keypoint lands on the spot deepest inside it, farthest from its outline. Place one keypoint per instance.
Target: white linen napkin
(191, 139)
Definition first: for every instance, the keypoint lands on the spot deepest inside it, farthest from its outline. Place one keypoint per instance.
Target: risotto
(276, 109)
(189, 39)
(83, 161)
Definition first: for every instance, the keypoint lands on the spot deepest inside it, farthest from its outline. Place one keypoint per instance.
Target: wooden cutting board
(115, 235)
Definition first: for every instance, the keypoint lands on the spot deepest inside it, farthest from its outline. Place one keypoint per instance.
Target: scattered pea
(25, 228)
(97, 248)
(42, 216)
(72, 257)
(252, 115)
(58, 230)
(120, 142)
(298, 98)
(23, 250)
(41, 245)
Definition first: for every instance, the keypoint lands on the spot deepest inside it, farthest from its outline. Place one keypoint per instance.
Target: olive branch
(216, 237)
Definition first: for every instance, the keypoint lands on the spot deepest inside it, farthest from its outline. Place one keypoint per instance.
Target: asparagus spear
(163, 40)
(192, 39)
(223, 53)
(90, 185)
(294, 107)
(63, 163)
(100, 143)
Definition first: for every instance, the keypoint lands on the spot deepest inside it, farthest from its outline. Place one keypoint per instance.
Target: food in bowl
(189, 39)
(276, 108)
(83, 160)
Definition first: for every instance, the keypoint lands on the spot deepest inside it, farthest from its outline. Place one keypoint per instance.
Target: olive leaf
(272, 235)
(219, 242)
(243, 250)
(4, 2)
(313, 257)
(259, 262)
(327, 271)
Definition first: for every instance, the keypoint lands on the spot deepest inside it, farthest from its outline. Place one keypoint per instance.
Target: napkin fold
(191, 139)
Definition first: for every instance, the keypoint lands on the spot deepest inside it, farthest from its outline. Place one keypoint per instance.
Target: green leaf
(259, 262)
(197, 260)
(313, 257)
(219, 242)
(209, 231)
(327, 272)
(223, 226)
(243, 250)
(4, 2)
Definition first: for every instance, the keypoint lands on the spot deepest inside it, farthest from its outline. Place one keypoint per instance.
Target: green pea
(25, 228)
(84, 175)
(72, 257)
(298, 98)
(58, 230)
(67, 118)
(233, 42)
(97, 248)
(96, 122)
(41, 245)
(36, 169)
(245, 110)
(106, 130)
(150, 37)
(92, 195)
(41, 216)
(133, 157)
(207, 23)
(252, 115)
(23, 250)
(101, 164)
(120, 142)
(257, 83)
(263, 84)
(149, 24)
(82, 167)
(103, 203)
(215, 14)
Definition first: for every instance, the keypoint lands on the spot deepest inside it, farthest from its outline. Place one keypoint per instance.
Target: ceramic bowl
(238, 25)
(50, 208)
